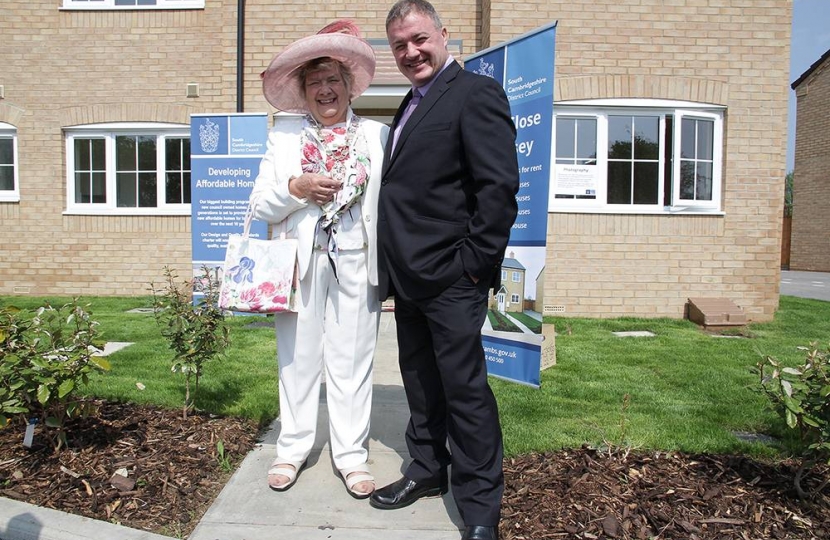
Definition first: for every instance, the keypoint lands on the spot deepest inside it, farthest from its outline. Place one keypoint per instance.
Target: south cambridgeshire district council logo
(209, 136)
(485, 69)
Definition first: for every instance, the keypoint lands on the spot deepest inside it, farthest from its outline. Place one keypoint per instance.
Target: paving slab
(22, 521)
(318, 506)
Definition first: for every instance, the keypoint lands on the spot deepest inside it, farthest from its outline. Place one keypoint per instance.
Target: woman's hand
(316, 188)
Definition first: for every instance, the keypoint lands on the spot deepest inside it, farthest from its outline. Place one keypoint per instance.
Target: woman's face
(326, 95)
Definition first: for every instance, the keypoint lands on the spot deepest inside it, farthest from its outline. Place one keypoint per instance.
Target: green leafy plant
(800, 396)
(223, 458)
(193, 323)
(44, 359)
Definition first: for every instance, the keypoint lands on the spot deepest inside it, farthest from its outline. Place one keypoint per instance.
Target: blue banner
(512, 336)
(225, 154)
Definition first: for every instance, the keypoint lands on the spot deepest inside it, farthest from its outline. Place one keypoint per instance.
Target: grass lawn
(532, 324)
(680, 390)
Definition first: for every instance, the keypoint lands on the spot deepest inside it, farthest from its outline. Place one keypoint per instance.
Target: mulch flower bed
(142, 467)
(590, 494)
(149, 469)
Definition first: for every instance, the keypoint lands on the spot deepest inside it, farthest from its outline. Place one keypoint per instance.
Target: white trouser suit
(335, 325)
(335, 328)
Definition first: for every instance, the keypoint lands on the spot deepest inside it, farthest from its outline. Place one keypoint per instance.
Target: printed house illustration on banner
(510, 297)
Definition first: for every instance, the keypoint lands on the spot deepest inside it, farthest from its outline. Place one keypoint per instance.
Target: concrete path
(318, 507)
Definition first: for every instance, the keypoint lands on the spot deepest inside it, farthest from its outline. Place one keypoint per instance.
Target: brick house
(810, 247)
(510, 297)
(670, 137)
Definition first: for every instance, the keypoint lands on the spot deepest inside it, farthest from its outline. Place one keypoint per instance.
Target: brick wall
(811, 179)
(68, 67)
(732, 53)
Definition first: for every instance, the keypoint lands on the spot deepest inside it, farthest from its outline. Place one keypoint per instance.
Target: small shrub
(800, 395)
(44, 359)
(195, 330)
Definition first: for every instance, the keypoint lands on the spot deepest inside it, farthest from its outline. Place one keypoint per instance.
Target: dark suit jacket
(448, 192)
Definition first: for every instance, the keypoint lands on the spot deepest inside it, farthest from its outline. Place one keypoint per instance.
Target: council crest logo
(209, 136)
(485, 68)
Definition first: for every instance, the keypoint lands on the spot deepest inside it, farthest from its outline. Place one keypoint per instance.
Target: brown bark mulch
(172, 466)
(591, 494)
(173, 475)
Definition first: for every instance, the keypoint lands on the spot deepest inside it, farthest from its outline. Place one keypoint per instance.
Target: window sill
(129, 8)
(668, 211)
(150, 212)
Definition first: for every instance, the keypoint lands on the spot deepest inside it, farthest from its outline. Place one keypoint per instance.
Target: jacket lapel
(436, 91)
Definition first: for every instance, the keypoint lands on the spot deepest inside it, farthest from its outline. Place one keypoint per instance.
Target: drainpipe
(240, 55)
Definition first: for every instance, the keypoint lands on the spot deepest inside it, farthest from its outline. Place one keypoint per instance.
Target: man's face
(419, 48)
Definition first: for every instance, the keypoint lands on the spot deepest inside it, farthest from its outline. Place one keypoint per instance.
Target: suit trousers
(445, 376)
(334, 329)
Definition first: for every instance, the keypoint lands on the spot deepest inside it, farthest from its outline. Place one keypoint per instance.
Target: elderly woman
(319, 182)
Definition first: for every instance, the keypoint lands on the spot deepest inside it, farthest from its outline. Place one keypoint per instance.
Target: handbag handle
(249, 217)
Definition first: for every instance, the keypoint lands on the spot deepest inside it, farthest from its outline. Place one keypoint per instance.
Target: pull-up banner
(225, 152)
(512, 335)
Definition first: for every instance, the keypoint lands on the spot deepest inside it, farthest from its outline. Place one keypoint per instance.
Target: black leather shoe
(480, 532)
(403, 493)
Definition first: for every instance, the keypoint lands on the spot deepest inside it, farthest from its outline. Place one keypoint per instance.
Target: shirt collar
(425, 88)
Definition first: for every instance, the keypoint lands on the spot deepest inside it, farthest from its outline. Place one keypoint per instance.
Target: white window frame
(516, 277)
(110, 5)
(514, 298)
(8, 131)
(109, 132)
(717, 157)
(601, 110)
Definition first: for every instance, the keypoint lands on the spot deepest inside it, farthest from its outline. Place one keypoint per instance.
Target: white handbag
(259, 276)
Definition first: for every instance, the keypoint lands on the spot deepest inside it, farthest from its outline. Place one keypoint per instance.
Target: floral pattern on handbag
(260, 276)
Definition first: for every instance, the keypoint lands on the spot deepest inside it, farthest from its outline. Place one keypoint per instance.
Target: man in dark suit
(447, 203)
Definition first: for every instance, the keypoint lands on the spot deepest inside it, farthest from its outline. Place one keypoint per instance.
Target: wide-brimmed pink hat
(339, 40)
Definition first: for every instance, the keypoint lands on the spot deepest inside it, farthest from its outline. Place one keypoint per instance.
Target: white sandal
(355, 475)
(284, 468)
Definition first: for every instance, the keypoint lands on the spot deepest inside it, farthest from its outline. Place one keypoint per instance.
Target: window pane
(99, 154)
(586, 141)
(619, 182)
(565, 128)
(6, 178)
(645, 183)
(646, 133)
(83, 149)
(619, 137)
(687, 180)
(687, 138)
(705, 139)
(147, 153)
(125, 190)
(186, 180)
(704, 182)
(173, 154)
(6, 151)
(82, 187)
(147, 194)
(99, 187)
(125, 153)
(173, 188)
(186, 153)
